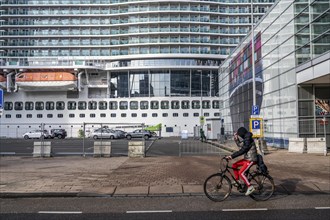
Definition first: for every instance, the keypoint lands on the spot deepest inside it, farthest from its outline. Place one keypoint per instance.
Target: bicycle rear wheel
(217, 187)
(264, 186)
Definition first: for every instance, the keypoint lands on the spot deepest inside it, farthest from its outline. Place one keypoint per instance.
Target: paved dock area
(69, 176)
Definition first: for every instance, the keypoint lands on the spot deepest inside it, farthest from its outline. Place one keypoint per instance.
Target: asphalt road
(198, 207)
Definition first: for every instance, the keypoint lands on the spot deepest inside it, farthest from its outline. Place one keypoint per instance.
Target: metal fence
(193, 146)
(77, 142)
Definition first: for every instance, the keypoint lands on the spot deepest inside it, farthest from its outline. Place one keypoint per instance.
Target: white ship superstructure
(112, 61)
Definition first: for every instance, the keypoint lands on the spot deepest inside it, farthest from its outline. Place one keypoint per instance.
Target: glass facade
(287, 39)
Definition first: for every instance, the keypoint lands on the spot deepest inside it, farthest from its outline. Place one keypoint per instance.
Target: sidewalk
(150, 176)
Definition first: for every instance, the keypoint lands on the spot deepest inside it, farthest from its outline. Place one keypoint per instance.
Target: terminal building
(65, 62)
(292, 74)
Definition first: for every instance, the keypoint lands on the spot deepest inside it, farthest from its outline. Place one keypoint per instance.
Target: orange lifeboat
(46, 81)
(3, 81)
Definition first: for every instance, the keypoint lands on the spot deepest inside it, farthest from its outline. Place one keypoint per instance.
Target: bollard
(42, 149)
(102, 148)
(136, 149)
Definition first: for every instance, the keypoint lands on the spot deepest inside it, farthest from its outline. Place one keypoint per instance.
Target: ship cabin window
(71, 115)
(144, 105)
(60, 105)
(134, 115)
(103, 115)
(164, 105)
(39, 105)
(8, 116)
(8, 106)
(196, 105)
(92, 115)
(82, 115)
(123, 115)
(29, 105)
(185, 104)
(185, 114)
(18, 106)
(133, 105)
(165, 115)
(39, 115)
(113, 105)
(18, 116)
(175, 115)
(215, 104)
(154, 105)
(144, 115)
(92, 105)
(82, 105)
(155, 115)
(29, 115)
(206, 114)
(217, 114)
(206, 105)
(175, 105)
(50, 105)
(60, 115)
(49, 115)
(72, 105)
(103, 105)
(123, 105)
(196, 114)
(113, 115)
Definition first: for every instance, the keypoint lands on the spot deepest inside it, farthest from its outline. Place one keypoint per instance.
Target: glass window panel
(180, 83)
(123, 105)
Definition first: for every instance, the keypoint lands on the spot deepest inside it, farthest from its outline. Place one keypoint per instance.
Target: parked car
(121, 134)
(36, 134)
(103, 133)
(58, 133)
(139, 133)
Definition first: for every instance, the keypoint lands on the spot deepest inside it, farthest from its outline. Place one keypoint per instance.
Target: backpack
(261, 165)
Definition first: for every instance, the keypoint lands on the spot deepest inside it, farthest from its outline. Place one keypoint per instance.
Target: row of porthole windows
(113, 115)
(112, 105)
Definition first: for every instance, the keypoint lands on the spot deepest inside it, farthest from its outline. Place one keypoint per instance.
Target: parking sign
(1, 98)
(255, 110)
(256, 127)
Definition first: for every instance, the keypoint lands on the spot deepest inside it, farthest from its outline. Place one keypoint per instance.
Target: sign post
(1, 102)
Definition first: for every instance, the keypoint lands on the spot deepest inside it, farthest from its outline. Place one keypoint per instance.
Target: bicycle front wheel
(264, 186)
(217, 187)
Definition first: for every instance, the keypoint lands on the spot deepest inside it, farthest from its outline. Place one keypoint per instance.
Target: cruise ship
(118, 62)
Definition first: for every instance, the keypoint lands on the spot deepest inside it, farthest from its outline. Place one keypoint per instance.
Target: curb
(84, 195)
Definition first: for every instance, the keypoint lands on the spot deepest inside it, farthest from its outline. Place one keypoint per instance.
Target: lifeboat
(46, 81)
(3, 82)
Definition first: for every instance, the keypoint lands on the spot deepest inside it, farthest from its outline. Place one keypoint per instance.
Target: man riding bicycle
(248, 148)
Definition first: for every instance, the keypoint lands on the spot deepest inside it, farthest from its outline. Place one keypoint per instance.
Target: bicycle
(218, 186)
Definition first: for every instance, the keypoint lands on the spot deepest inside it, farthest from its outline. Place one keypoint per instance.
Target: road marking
(322, 207)
(59, 212)
(242, 210)
(152, 211)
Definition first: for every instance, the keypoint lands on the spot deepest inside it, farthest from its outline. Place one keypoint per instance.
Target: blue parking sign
(256, 124)
(1, 98)
(255, 110)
